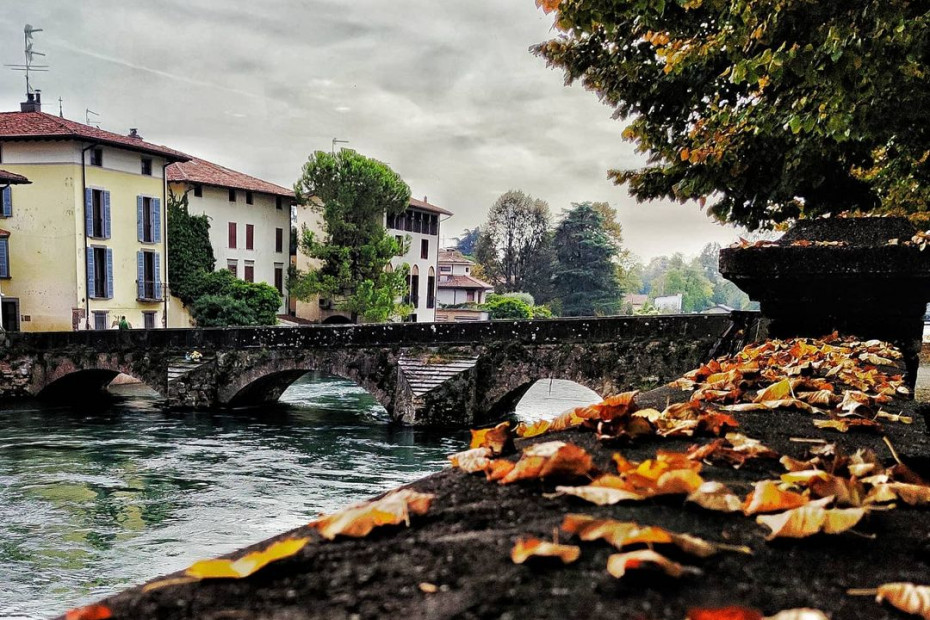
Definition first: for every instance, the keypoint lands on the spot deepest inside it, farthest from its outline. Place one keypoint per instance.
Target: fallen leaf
(714, 495)
(619, 563)
(768, 497)
(600, 495)
(810, 519)
(893, 417)
(89, 612)
(357, 521)
(776, 391)
(496, 439)
(912, 494)
(724, 613)
(552, 458)
(532, 430)
(526, 548)
(714, 422)
(617, 406)
(907, 597)
(799, 614)
(428, 588)
(471, 461)
(498, 469)
(567, 419)
(704, 548)
(247, 564)
(847, 424)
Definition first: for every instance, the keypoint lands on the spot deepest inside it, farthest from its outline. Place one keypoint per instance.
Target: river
(96, 499)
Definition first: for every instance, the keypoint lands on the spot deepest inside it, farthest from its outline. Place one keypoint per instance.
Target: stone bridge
(439, 374)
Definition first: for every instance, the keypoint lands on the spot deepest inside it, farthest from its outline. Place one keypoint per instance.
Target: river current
(96, 499)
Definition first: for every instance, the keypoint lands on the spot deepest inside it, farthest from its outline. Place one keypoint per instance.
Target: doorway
(9, 312)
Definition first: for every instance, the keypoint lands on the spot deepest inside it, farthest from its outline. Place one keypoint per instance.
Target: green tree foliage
(214, 298)
(467, 243)
(769, 110)
(352, 192)
(508, 308)
(585, 276)
(513, 248)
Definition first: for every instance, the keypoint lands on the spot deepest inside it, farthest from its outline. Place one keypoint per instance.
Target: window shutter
(7, 202)
(109, 273)
(106, 215)
(157, 258)
(156, 216)
(88, 212)
(140, 218)
(91, 289)
(140, 275)
(4, 257)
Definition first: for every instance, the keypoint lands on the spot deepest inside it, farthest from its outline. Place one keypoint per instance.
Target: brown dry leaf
(357, 521)
(247, 564)
(552, 458)
(471, 461)
(683, 384)
(714, 495)
(907, 597)
(701, 548)
(678, 481)
(618, 406)
(745, 407)
(567, 419)
(496, 439)
(794, 465)
(619, 563)
(847, 424)
(809, 520)
(788, 403)
(844, 491)
(526, 548)
(601, 495)
(714, 422)
(893, 417)
(498, 469)
(533, 429)
(768, 497)
(776, 391)
(912, 494)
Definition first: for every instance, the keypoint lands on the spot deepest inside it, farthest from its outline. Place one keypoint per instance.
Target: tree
(352, 192)
(769, 110)
(190, 253)
(512, 244)
(508, 308)
(585, 276)
(468, 241)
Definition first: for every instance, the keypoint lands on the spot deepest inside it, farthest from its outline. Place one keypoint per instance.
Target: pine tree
(585, 275)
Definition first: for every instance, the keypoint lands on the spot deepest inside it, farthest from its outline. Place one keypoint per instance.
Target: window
(424, 248)
(249, 275)
(6, 200)
(279, 277)
(445, 269)
(9, 314)
(97, 213)
(148, 219)
(233, 267)
(232, 195)
(431, 289)
(278, 239)
(248, 198)
(279, 202)
(389, 221)
(249, 237)
(400, 244)
(99, 273)
(96, 157)
(470, 295)
(100, 319)
(198, 190)
(147, 166)
(4, 257)
(148, 320)
(415, 287)
(232, 235)
(148, 283)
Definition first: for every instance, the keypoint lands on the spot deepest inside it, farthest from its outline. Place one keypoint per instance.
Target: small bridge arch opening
(82, 384)
(545, 398)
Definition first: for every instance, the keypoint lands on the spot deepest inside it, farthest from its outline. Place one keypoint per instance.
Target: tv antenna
(30, 55)
(87, 113)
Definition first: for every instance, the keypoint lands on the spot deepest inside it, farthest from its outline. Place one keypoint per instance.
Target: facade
(250, 220)
(9, 311)
(89, 227)
(460, 293)
(669, 304)
(419, 225)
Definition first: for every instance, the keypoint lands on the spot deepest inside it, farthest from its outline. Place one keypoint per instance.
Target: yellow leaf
(776, 391)
(526, 548)
(767, 497)
(810, 519)
(619, 563)
(907, 597)
(357, 521)
(247, 564)
(913, 494)
(496, 439)
(532, 430)
(714, 495)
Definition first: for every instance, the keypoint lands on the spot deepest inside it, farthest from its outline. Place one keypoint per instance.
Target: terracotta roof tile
(422, 204)
(42, 126)
(453, 256)
(464, 282)
(12, 178)
(207, 173)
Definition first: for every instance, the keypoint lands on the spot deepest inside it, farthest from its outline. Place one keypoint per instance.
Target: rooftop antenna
(61, 112)
(30, 55)
(335, 142)
(87, 113)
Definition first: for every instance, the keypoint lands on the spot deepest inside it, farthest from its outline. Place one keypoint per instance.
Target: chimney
(134, 133)
(425, 200)
(33, 102)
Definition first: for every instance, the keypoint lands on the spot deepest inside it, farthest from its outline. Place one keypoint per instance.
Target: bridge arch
(65, 378)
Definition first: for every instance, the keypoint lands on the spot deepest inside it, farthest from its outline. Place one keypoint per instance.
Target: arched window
(415, 286)
(431, 289)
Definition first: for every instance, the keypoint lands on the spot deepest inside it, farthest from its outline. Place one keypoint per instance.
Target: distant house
(718, 309)
(669, 304)
(9, 309)
(459, 291)
(250, 219)
(633, 302)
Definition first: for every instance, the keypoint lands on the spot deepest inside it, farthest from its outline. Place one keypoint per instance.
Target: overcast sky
(445, 92)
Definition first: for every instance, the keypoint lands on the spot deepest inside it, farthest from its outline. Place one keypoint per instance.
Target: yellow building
(86, 239)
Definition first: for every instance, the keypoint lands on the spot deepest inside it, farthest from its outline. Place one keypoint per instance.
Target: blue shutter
(91, 294)
(140, 274)
(106, 215)
(109, 273)
(7, 201)
(140, 228)
(89, 212)
(4, 257)
(157, 276)
(156, 216)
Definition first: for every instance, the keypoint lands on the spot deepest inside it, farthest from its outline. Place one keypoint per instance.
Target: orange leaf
(548, 5)
(532, 430)
(247, 564)
(567, 419)
(496, 439)
(619, 563)
(617, 406)
(776, 391)
(526, 548)
(89, 612)
(552, 458)
(498, 469)
(724, 613)
(357, 521)
(907, 597)
(767, 497)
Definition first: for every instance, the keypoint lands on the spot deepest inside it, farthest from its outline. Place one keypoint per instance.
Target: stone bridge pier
(443, 374)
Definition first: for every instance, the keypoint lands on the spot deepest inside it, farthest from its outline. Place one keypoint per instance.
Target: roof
(464, 282)
(207, 173)
(42, 126)
(11, 178)
(422, 204)
(635, 298)
(4, 233)
(453, 256)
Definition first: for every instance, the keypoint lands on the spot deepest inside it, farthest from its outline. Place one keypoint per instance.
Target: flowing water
(93, 500)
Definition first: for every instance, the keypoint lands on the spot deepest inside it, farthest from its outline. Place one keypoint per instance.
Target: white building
(459, 292)
(250, 220)
(669, 304)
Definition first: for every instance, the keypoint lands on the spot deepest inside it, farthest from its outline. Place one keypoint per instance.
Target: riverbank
(454, 561)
